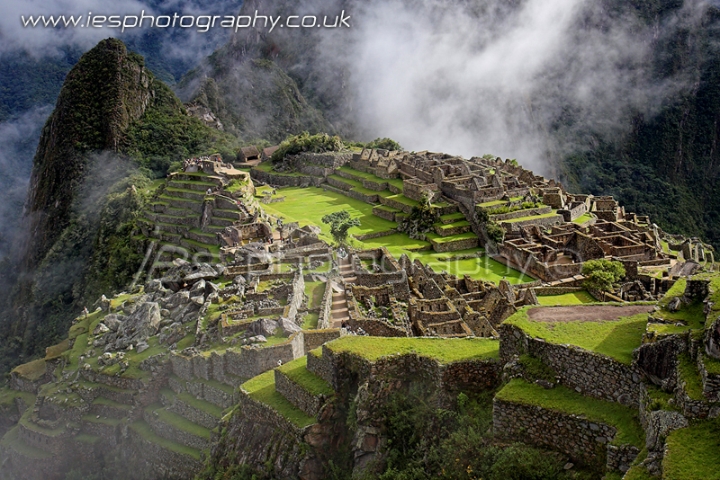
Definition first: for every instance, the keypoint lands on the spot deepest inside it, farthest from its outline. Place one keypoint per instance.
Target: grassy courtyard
(307, 206)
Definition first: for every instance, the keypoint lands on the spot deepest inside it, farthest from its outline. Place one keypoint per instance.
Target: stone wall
(369, 236)
(249, 361)
(324, 318)
(297, 395)
(443, 247)
(542, 222)
(313, 339)
(584, 441)
(586, 372)
(296, 298)
(473, 376)
(285, 180)
(321, 366)
(153, 461)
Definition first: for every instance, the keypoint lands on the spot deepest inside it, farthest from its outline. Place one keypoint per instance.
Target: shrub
(602, 274)
(384, 143)
(304, 142)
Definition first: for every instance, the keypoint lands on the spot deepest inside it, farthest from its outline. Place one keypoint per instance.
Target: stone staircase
(339, 311)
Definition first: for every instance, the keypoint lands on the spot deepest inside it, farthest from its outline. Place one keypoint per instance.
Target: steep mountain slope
(269, 85)
(114, 128)
(667, 165)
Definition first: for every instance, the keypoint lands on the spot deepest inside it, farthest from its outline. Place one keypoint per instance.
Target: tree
(384, 143)
(340, 222)
(602, 274)
(420, 221)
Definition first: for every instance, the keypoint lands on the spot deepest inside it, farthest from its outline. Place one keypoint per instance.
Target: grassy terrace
(691, 315)
(562, 399)
(444, 350)
(531, 217)
(572, 298)
(692, 452)
(144, 430)
(297, 372)
(262, 389)
(586, 217)
(12, 440)
(396, 182)
(616, 339)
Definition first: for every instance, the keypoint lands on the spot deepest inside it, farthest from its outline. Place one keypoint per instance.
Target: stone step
(195, 410)
(181, 193)
(191, 185)
(229, 214)
(176, 428)
(94, 424)
(146, 433)
(222, 221)
(12, 441)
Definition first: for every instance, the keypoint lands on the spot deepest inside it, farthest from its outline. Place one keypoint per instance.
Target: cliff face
(103, 94)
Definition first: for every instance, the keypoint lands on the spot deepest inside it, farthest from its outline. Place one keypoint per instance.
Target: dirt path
(590, 313)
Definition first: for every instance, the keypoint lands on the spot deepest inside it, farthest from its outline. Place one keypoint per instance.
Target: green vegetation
(340, 223)
(572, 298)
(688, 372)
(384, 143)
(444, 350)
(295, 209)
(586, 217)
(692, 452)
(614, 338)
(658, 399)
(602, 274)
(314, 292)
(144, 430)
(262, 389)
(535, 368)
(425, 442)
(562, 399)
(297, 372)
(310, 321)
(304, 142)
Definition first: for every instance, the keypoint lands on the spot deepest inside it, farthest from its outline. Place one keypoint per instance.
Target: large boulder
(288, 327)
(265, 327)
(136, 328)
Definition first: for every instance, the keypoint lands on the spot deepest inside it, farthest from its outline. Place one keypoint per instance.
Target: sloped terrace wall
(586, 372)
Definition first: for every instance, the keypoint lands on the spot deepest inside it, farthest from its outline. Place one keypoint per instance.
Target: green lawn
(262, 389)
(307, 206)
(297, 372)
(445, 350)
(315, 292)
(573, 298)
(692, 453)
(563, 399)
(616, 338)
(295, 209)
